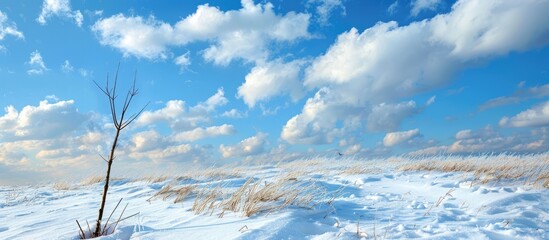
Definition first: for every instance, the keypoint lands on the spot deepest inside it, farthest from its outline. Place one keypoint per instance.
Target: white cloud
(36, 63)
(488, 139)
(520, 95)
(394, 138)
(422, 5)
(84, 72)
(135, 36)
(270, 79)
(7, 28)
(392, 9)
(249, 146)
(233, 113)
(171, 152)
(325, 8)
(39, 139)
(431, 101)
(353, 149)
(236, 34)
(47, 120)
(533, 117)
(464, 134)
(387, 63)
(183, 61)
(152, 146)
(67, 67)
(389, 116)
(315, 125)
(179, 118)
(200, 133)
(61, 8)
(216, 100)
(499, 101)
(148, 140)
(173, 110)
(429, 151)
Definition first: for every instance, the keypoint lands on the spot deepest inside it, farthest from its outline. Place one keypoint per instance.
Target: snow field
(349, 199)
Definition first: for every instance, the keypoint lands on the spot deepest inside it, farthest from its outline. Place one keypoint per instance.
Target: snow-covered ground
(352, 202)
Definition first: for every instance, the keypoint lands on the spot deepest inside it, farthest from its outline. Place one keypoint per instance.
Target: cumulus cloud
(60, 8)
(315, 125)
(389, 116)
(178, 117)
(199, 133)
(490, 139)
(270, 79)
(234, 113)
(236, 34)
(216, 100)
(394, 138)
(387, 62)
(152, 146)
(325, 8)
(247, 147)
(533, 117)
(135, 36)
(8, 28)
(422, 5)
(173, 110)
(483, 140)
(47, 120)
(39, 139)
(36, 63)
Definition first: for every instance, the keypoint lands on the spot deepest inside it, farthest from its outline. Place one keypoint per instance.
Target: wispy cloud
(519, 96)
(8, 29)
(423, 5)
(37, 65)
(325, 8)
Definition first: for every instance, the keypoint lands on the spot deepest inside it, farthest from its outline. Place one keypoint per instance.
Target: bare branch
(119, 124)
(134, 116)
(122, 213)
(104, 159)
(107, 222)
(83, 236)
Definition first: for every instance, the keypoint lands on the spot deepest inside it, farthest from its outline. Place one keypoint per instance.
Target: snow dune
(352, 199)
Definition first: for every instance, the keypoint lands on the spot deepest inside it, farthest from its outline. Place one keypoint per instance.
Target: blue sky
(273, 80)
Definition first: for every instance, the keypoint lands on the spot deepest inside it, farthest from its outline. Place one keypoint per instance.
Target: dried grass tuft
(92, 180)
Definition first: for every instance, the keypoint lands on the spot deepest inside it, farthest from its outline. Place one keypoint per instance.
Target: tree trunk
(97, 232)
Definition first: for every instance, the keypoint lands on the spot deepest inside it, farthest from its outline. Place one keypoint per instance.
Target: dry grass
(256, 196)
(207, 199)
(92, 180)
(180, 193)
(532, 169)
(154, 179)
(252, 197)
(218, 173)
(62, 186)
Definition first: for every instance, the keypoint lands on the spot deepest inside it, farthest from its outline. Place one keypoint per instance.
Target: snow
(383, 204)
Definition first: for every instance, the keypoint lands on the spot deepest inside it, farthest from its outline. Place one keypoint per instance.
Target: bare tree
(120, 122)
